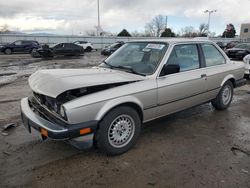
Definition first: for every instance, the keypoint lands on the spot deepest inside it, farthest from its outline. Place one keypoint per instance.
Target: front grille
(41, 110)
(49, 102)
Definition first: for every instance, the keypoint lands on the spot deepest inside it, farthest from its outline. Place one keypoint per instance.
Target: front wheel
(118, 131)
(8, 51)
(224, 98)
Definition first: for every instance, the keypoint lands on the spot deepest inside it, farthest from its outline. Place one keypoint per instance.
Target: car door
(216, 68)
(26, 45)
(68, 49)
(58, 49)
(17, 46)
(186, 88)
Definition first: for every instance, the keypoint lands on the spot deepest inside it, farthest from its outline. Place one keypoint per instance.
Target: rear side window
(71, 46)
(186, 56)
(212, 55)
(18, 42)
(59, 46)
(26, 42)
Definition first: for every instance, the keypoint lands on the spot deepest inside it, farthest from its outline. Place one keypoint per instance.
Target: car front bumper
(80, 135)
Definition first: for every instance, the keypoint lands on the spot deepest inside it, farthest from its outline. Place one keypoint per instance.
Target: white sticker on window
(146, 50)
(155, 46)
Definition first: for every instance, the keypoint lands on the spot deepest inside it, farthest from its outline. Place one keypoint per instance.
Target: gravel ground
(192, 148)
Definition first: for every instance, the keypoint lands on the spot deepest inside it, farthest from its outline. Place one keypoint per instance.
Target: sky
(78, 16)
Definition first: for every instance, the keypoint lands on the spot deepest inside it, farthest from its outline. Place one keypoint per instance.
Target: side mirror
(170, 69)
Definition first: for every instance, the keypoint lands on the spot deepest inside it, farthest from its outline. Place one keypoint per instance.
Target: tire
(88, 49)
(118, 130)
(224, 98)
(33, 50)
(8, 51)
(247, 76)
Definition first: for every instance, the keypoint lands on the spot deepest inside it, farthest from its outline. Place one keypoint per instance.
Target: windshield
(244, 46)
(140, 57)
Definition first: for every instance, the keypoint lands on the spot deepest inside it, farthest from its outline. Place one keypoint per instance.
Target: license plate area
(34, 133)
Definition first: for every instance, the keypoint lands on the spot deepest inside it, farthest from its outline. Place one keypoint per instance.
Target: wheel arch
(230, 78)
(126, 101)
(8, 48)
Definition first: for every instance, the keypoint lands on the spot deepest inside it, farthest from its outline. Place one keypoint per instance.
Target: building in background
(245, 31)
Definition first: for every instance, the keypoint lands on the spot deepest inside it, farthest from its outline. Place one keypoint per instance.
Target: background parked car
(246, 60)
(232, 44)
(222, 45)
(65, 49)
(21, 46)
(112, 48)
(239, 51)
(87, 46)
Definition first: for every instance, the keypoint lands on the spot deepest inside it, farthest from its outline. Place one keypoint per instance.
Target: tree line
(157, 28)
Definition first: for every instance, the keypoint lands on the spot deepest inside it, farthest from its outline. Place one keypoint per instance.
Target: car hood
(54, 82)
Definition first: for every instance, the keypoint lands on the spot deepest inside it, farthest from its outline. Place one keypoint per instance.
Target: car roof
(175, 40)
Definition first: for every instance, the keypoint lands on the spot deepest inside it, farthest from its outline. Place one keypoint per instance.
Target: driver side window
(18, 43)
(186, 56)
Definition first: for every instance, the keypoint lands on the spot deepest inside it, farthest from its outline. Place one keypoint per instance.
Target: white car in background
(246, 60)
(87, 46)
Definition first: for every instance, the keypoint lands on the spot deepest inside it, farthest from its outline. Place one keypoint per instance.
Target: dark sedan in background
(20, 46)
(61, 49)
(239, 51)
(108, 50)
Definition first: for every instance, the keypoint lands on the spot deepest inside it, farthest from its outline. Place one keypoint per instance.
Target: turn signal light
(85, 131)
(44, 132)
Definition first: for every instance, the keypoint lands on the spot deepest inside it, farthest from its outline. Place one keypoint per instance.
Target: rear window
(212, 55)
(70, 45)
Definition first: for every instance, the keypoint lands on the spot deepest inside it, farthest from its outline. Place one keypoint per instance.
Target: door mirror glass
(170, 69)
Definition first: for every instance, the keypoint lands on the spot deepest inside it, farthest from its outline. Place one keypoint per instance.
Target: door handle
(204, 76)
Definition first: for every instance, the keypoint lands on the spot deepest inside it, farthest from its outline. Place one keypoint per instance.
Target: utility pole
(99, 24)
(209, 17)
(166, 22)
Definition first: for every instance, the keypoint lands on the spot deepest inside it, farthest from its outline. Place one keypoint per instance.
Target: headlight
(241, 52)
(62, 111)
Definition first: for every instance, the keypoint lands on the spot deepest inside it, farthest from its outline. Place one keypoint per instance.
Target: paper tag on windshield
(155, 46)
(146, 50)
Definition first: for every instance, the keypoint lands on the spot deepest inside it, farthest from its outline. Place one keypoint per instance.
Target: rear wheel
(88, 49)
(8, 51)
(118, 131)
(224, 98)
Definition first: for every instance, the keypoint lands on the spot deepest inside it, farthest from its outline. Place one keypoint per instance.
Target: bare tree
(203, 30)
(156, 26)
(4, 29)
(188, 31)
(90, 33)
(136, 33)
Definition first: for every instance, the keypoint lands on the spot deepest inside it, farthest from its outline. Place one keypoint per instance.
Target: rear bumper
(48, 129)
(240, 82)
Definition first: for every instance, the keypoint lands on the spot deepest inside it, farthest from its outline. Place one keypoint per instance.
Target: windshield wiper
(129, 69)
(106, 63)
